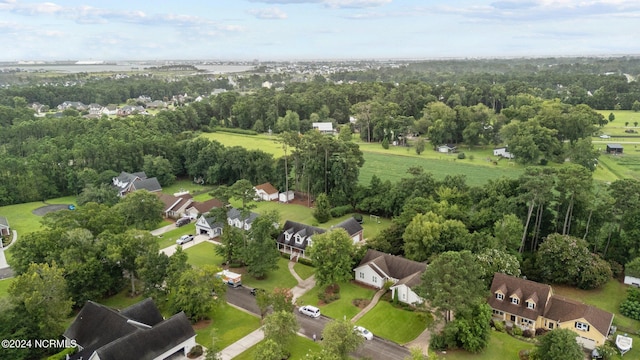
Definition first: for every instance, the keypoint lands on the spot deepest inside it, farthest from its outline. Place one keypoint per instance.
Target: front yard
(341, 307)
(501, 346)
(395, 324)
(300, 347)
(229, 325)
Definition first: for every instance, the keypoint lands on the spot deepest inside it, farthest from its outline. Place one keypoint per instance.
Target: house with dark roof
(175, 206)
(266, 192)
(376, 268)
(296, 237)
(614, 149)
(129, 182)
(138, 332)
(197, 208)
(212, 226)
(531, 305)
(5, 230)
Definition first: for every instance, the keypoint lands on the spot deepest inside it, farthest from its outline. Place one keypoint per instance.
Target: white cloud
(331, 3)
(268, 13)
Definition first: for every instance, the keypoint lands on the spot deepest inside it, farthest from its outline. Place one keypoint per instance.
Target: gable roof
(303, 230)
(172, 202)
(136, 332)
(614, 146)
(563, 309)
(267, 188)
(234, 213)
(350, 225)
(524, 290)
(205, 207)
(393, 266)
(150, 185)
(322, 126)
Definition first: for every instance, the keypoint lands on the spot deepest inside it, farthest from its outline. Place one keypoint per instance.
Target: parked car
(255, 291)
(183, 221)
(605, 136)
(184, 239)
(363, 332)
(309, 310)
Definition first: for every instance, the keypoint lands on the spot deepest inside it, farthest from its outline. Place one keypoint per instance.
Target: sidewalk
(163, 230)
(371, 305)
(303, 285)
(242, 345)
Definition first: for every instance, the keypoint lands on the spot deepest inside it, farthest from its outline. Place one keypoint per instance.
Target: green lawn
(341, 307)
(122, 299)
(395, 324)
(608, 298)
(304, 271)
(265, 143)
(501, 346)
(203, 254)
(21, 218)
(280, 278)
(169, 238)
(4, 287)
(299, 348)
(188, 185)
(230, 325)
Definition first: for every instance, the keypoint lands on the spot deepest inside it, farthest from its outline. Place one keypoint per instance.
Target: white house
(235, 218)
(323, 127)
(377, 268)
(631, 280)
(286, 196)
(266, 192)
(208, 225)
(503, 151)
(5, 230)
(447, 148)
(296, 237)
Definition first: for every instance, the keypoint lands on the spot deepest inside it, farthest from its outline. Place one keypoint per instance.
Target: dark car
(182, 221)
(255, 291)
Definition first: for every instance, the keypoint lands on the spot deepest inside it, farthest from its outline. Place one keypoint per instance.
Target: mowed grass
(186, 185)
(395, 324)
(617, 126)
(21, 218)
(229, 325)
(169, 238)
(300, 347)
(4, 287)
(280, 278)
(501, 346)
(304, 271)
(607, 298)
(203, 254)
(342, 307)
(265, 143)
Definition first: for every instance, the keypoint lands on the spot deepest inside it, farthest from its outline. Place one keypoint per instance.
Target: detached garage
(614, 149)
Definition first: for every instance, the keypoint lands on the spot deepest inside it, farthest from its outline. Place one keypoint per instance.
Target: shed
(286, 196)
(614, 149)
(447, 148)
(323, 127)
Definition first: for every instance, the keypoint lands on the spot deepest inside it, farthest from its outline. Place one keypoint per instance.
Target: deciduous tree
(559, 344)
(339, 338)
(332, 255)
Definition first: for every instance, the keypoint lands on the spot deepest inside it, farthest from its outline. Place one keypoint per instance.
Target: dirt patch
(360, 303)
(201, 324)
(41, 211)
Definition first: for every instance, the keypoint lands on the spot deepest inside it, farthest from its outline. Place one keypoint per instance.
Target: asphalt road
(374, 349)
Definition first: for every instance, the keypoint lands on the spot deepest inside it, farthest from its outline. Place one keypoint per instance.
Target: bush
(540, 331)
(630, 309)
(438, 342)
(499, 326)
(529, 333)
(544, 162)
(461, 156)
(516, 331)
(385, 144)
(330, 294)
(358, 217)
(341, 210)
(195, 351)
(305, 261)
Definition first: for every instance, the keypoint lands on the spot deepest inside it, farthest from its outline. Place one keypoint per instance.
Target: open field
(300, 347)
(188, 185)
(341, 307)
(395, 324)
(22, 219)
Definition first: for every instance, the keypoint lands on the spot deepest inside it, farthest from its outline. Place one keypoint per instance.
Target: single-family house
(503, 152)
(128, 182)
(95, 109)
(296, 237)
(130, 109)
(614, 149)
(323, 127)
(175, 206)
(110, 109)
(376, 268)
(209, 225)
(136, 332)
(235, 218)
(197, 208)
(72, 105)
(531, 305)
(266, 192)
(156, 104)
(285, 197)
(5, 230)
(447, 148)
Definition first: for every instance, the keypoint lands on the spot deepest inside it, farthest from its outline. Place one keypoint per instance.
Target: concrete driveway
(197, 240)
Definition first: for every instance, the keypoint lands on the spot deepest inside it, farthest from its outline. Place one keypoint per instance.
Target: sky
(267, 30)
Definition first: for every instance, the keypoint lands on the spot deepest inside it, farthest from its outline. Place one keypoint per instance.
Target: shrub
(544, 162)
(516, 331)
(341, 210)
(305, 261)
(438, 342)
(524, 354)
(358, 217)
(529, 333)
(461, 156)
(195, 351)
(540, 331)
(385, 143)
(630, 309)
(499, 326)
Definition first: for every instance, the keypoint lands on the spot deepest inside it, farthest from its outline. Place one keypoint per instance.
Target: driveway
(197, 240)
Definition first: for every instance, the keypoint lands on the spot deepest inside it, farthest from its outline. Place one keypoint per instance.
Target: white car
(605, 136)
(363, 332)
(309, 310)
(184, 239)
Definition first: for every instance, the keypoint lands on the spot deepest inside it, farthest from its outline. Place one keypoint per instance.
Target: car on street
(363, 332)
(309, 310)
(605, 136)
(184, 239)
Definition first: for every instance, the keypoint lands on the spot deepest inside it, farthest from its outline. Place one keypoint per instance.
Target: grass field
(21, 218)
(341, 307)
(229, 325)
(186, 185)
(501, 346)
(395, 324)
(4, 287)
(300, 347)
(203, 254)
(281, 278)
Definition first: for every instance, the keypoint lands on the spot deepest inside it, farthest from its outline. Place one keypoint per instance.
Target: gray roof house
(128, 182)
(296, 237)
(210, 225)
(376, 268)
(235, 218)
(138, 332)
